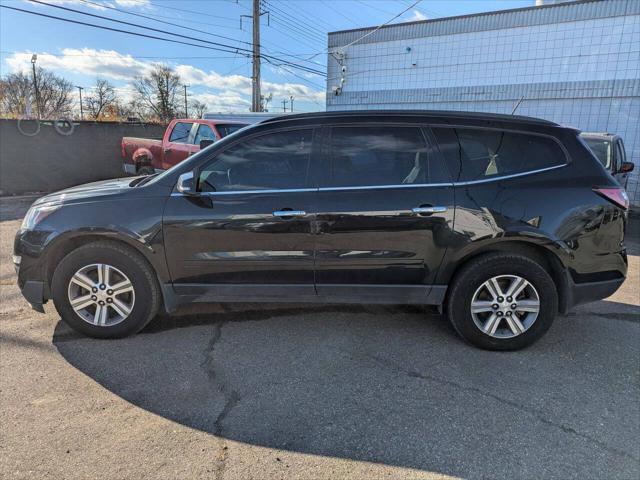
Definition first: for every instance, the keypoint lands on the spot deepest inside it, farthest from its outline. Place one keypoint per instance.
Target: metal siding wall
(575, 63)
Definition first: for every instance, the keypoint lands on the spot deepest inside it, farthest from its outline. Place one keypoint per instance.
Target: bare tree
(16, 92)
(158, 92)
(99, 102)
(54, 94)
(198, 108)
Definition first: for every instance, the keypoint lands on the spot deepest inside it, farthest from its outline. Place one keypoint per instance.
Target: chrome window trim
(240, 192)
(375, 187)
(512, 175)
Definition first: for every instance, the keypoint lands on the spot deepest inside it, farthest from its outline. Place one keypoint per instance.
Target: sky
(293, 31)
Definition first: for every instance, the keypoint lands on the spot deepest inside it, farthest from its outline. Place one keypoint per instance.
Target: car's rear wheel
(105, 290)
(502, 301)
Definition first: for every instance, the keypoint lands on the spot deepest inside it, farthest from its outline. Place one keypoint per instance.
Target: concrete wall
(49, 161)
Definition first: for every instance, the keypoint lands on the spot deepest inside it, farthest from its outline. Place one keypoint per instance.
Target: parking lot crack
(231, 396)
(535, 413)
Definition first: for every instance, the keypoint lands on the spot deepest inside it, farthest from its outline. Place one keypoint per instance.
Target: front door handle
(289, 213)
(428, 210)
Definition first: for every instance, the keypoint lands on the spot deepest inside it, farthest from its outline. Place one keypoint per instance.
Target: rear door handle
(289, 213)
(428, 210)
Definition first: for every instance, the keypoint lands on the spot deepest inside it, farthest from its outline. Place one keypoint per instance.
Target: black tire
(146, 170)
(478, 271)
(125, 259)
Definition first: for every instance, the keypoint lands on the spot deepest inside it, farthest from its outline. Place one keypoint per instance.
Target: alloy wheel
(101, 295)
(505, 306)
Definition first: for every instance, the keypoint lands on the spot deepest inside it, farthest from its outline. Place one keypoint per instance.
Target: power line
(383, 24)
(298, 31)
(182, 19)
(184, 10)
(90, 55)
(164, 22)
(285, 33)
(218, 46)
(340, 13)
(102, 17)
(303, 24)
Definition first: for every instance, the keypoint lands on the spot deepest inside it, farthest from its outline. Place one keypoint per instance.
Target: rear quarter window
(479, 154)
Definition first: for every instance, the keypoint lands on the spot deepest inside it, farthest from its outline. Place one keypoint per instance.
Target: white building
(575, 63)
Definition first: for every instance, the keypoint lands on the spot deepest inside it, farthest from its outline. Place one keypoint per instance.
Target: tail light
(615, 195)
(124, 152)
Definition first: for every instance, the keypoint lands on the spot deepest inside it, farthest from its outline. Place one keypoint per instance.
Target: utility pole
(291, 104)
(284, 105)
(34, 59)
(81, 111)
(255, 78)
(186, 110)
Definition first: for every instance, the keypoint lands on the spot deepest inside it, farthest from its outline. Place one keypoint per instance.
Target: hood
(89, 191)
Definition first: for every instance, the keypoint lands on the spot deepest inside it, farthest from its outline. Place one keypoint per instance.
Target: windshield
(601, 149)
(195, 158)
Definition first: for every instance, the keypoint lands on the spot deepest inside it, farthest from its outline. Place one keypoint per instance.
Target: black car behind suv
(502, 221)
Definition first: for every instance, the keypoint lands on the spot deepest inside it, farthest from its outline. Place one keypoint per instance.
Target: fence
(51, 160)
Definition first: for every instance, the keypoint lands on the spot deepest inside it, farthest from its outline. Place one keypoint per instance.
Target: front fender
(73, 225)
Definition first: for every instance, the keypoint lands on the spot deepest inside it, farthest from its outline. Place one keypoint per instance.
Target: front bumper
(28, 263)
(33, 292)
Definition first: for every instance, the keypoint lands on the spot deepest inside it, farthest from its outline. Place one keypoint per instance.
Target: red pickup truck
(183, 137)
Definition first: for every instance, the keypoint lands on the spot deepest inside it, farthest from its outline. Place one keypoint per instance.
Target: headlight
(36, 214)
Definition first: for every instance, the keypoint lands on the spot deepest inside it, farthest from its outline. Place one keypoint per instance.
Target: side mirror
(626, 167)
(205, 143)
(186, 184)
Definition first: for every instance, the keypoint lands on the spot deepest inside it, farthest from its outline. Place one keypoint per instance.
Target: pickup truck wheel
(502, 301)
(146, 170)
(105, 290)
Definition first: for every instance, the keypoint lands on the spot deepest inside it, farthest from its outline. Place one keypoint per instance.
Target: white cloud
(94, 3)
(223, 102)
(239, 83)
(232, 91)
(417, 16)
(133, 3)
(86, 61)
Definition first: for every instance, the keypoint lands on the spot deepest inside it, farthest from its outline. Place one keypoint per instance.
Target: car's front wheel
(105, 290)
(502, 301)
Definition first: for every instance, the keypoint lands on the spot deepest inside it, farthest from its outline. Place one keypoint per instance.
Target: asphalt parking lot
(295, 391)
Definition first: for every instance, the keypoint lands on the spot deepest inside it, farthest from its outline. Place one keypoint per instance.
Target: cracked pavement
(316, 391)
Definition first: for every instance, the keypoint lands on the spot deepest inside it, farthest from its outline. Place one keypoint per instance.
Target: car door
(385, 209)
(179, 145)
(248, 232)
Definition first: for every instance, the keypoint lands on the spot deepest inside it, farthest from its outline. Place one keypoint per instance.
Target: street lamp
(34, 59)
(81, 111)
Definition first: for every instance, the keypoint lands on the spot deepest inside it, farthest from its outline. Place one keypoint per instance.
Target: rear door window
(180, 133)
(204, 133)
(381, 155)
(477, 154)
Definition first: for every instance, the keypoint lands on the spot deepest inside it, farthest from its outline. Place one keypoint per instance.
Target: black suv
(501, 221)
